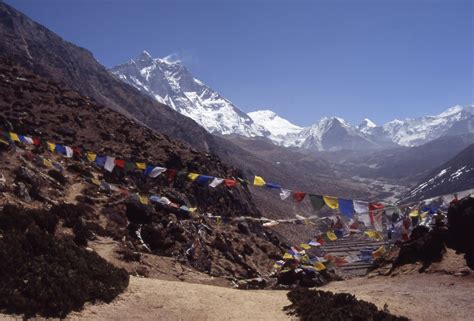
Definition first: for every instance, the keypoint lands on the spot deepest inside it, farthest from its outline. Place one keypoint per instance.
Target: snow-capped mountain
(280, 130)
(455, 175)
(417, 131)
(171, 83)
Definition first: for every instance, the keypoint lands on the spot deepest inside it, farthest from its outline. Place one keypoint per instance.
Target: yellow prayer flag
(51, 146)
(424, 214)
(192, 209)
(143, 199)
(331, 202)
(373, 234)
(319, 266)
(331, 236)
(193, 176)
(305, 246)
(91, 156)
(141, 166)
(14, 137)
(414, 213)
(379, 252)
(47, 163)
(258, 181)
(287, 256)
(95, 181)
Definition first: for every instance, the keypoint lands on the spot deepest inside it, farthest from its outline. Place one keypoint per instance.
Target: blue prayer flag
(100, 161)
(346, 207)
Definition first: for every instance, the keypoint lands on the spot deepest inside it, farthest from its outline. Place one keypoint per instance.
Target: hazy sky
(379, 59)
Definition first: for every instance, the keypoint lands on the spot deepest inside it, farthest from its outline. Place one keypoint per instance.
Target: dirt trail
(416, 296)
(152, 299)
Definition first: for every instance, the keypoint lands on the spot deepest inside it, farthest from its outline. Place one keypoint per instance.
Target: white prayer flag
(216, 182)
(69, 151)
(284, 194)
(155, 172)
(109, 163)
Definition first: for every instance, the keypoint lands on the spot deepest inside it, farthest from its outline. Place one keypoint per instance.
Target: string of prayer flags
(299, 196)
(346, 207)
(216, 182)
(192, 176)
(109, 163)
(331, 202)
(317, 202)
(284, 194)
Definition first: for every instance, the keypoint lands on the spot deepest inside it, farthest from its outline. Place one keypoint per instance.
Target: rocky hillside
(37, 107)
(455, 175)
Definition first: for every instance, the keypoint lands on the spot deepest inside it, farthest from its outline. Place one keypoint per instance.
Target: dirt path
(152, 299)
(416, 296)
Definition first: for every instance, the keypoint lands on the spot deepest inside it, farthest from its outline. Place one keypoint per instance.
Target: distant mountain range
(168, 81)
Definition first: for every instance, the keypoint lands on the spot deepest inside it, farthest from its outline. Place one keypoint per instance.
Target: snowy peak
(366, 126)
(168, 81)
(279, 129)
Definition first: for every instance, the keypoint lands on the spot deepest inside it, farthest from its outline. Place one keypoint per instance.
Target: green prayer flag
(317, 201)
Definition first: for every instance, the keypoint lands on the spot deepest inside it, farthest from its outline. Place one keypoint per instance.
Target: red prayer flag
(120, 163)
(76, 151)
(374, 208)
(230, 182)
(299, 196)
(171, 174)
(36, 141)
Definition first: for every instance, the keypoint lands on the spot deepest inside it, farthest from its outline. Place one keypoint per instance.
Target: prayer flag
(317, 201)
(314, 243)
(165, 201)
(284, 194)
(414, 213)
(60, 149)
(258, 181)
(36, 142)
(305, 246)
(331, 202)
(69, 152)
(129, 166)
(51, 146)
(91, 156)
(26, 140)
(192, 176)
(109, 163)
(143, 199)
(331, 236)
(171, 174)
(95, 181)
(216, 182)
(3, 141)
(299, 196)
(47, 163)
(287, 256)
(203, 179)
(157, 171)
(14, 137)
(319, 266)
(120, 163)
(346, 207)
(272, 186)
(100, 161)
(362, 209)
(155, 198)
(376, 215)
(141, 166)
(230, 182)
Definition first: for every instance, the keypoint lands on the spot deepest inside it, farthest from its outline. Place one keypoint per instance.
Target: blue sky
(379, 59)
